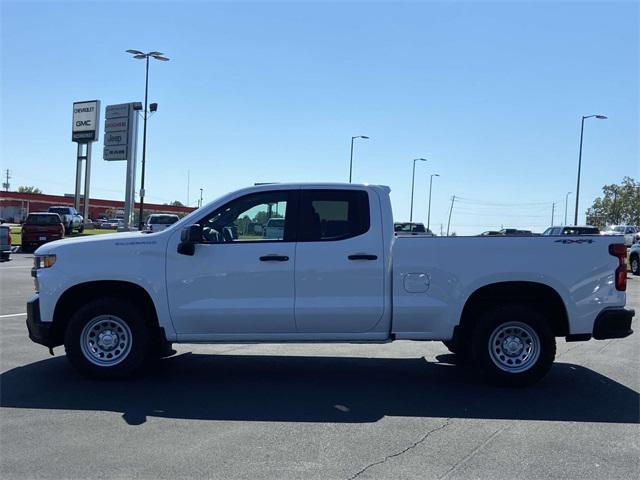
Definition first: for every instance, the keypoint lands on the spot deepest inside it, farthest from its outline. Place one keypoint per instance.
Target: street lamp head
(137, 106)
(159, 57)
(135, 52)
(419, 159)
(435, 175)
(142, 56)
(601, 117)
(155, 53)
(153, 107)
(364, 136)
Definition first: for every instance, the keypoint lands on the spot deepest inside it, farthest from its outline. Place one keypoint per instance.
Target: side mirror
(189, 236)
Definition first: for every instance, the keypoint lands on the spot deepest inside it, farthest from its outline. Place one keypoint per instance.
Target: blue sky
(490, 92)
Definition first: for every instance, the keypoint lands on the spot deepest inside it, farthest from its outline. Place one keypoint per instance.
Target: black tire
(68, 229)
(529, 329)
(451, 346)
(132, 359)
(634, 261)
(81, 229)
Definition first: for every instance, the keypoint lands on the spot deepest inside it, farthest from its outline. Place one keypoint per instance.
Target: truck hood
(96, 243)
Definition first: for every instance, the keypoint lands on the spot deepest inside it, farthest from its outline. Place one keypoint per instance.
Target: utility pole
(553, 211)
(566, 201)
(7, 176)
(441, 230)
(453, 199)
(200, 201)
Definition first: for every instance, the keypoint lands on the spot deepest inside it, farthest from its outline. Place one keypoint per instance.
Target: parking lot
(399, 410)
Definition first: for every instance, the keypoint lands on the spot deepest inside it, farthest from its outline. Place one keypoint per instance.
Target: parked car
(40, 228)
(157, 222)
(408, 228)
(515, 232)
(70, 219)
(5, 243)
(339, 274)
(111, 224)
(634, 258)
(490, 233)
(572, 230)
(630, 233)
(274, 229)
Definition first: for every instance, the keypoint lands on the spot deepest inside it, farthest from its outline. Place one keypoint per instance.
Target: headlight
(44, 261)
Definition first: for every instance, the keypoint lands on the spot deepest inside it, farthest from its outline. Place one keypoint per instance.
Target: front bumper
(613, 323)
(39, 332)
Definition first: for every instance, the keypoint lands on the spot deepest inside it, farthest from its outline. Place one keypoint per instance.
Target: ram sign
(86, 117)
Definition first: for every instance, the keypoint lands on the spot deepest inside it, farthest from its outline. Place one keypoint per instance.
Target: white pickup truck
(335, 273)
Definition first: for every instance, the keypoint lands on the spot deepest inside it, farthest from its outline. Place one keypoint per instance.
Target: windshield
(63, 211)
(42, 219)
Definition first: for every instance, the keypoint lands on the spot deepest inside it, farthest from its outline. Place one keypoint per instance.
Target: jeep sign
(86, 117)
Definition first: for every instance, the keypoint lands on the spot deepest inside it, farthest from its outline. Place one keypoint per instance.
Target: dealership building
(15, 206)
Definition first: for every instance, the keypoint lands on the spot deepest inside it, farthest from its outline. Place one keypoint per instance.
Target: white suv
(157, 222)
(630, 232)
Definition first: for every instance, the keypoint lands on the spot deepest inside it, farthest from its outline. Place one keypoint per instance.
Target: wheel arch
(543, 296)
(81, 293)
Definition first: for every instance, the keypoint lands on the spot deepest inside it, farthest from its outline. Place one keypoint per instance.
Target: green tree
(27, 189)
(175, 203)
(619, 204)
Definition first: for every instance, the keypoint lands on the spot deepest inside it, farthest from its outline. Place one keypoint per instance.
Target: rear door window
(327, 215)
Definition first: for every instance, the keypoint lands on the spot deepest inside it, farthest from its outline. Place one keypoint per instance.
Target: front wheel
(81, 228)
(513, 345)
(108, 339)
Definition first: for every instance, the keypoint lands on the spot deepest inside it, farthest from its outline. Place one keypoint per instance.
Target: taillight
(619, 250)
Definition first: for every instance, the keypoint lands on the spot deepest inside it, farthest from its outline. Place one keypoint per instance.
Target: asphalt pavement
(402, 410)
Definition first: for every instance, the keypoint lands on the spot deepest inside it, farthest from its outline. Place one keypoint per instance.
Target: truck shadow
(318, 389)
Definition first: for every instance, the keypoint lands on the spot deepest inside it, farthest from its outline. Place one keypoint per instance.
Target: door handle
(362, 256)
(274, 258)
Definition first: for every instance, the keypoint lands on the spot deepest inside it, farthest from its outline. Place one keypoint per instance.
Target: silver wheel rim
(106, 340)
(634, 265)
(514, 347)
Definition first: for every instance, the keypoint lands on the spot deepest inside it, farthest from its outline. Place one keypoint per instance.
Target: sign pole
(76, 199)
(87, 175)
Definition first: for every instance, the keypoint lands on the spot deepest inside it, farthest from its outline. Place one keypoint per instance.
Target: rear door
(339, 273)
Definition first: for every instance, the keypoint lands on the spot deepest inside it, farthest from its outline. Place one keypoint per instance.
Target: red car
(41, 228)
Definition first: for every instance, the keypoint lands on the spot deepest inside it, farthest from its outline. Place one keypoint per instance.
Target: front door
(240, 279)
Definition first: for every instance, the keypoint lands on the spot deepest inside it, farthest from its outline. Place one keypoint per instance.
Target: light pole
(137, 54)
(351, 161)
(429, 209)
(413, 184)
(601, 117)
(200, 202)
(566, 202)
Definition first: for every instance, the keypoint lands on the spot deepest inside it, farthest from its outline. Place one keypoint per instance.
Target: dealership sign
(85, 123)
(120, 132)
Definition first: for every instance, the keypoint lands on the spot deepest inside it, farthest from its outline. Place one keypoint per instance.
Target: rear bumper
(39, 332)
(613, 323)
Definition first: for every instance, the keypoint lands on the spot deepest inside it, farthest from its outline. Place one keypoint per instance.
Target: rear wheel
(81, 228)
(513, 345)
(108, 338)
(635, 264)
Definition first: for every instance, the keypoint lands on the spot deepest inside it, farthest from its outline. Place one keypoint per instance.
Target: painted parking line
(12, 315)
(16, 266)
